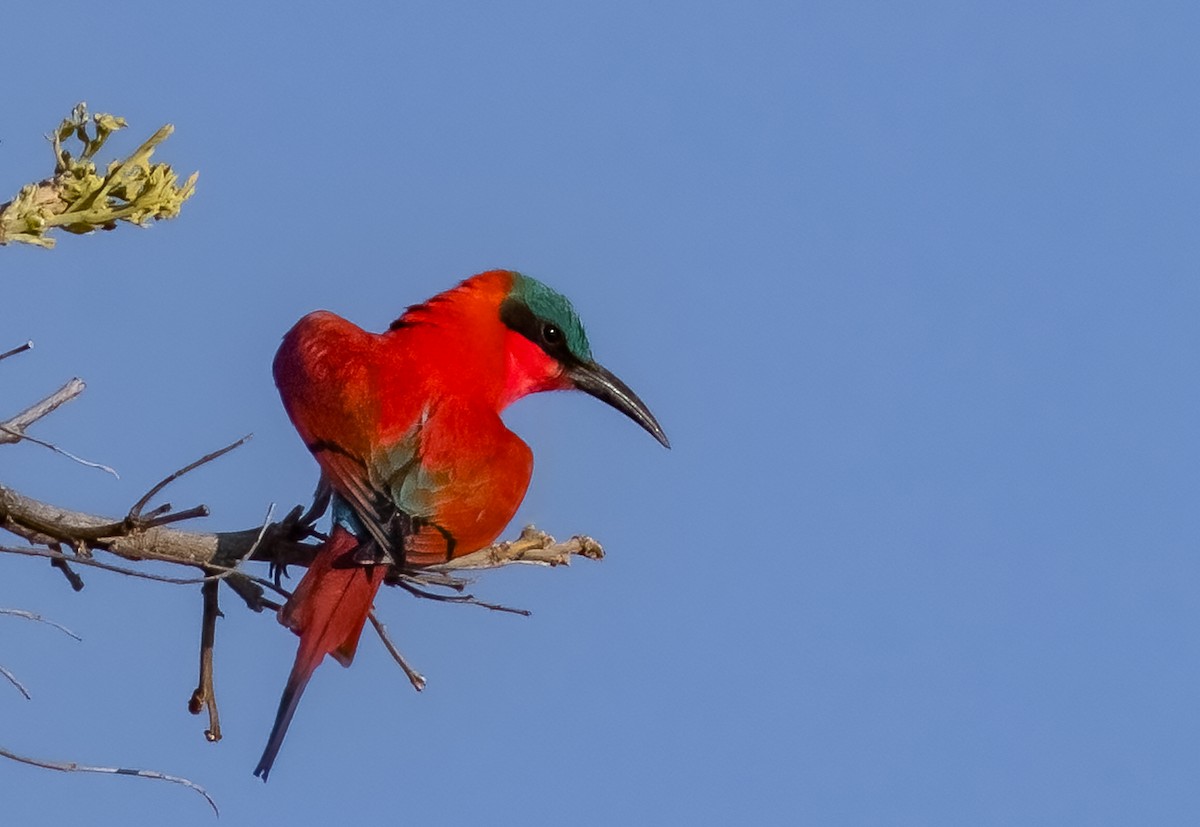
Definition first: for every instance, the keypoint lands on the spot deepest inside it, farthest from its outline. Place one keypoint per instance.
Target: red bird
(406, 428)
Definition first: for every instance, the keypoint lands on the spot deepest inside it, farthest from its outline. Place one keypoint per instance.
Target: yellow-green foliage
(79, 200)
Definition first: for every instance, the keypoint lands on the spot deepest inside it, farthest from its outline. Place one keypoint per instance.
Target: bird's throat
(528, 370)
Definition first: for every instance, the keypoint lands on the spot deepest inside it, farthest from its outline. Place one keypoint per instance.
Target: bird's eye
(551, 334)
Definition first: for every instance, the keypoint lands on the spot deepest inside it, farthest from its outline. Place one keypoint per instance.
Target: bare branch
(38, 522)
(71, 766)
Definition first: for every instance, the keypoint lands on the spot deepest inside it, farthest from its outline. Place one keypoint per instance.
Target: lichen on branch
(78, 199)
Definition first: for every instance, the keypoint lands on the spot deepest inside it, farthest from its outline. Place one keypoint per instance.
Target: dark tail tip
(287, 708)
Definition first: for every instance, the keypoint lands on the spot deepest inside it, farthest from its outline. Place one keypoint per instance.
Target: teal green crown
(550, 305)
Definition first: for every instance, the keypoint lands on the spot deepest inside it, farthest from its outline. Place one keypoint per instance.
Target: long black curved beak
(592, 378)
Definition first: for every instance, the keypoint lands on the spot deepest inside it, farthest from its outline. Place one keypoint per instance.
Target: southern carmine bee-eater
(406, 427)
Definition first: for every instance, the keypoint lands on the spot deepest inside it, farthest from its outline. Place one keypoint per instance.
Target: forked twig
(16, 425)
(13, 429)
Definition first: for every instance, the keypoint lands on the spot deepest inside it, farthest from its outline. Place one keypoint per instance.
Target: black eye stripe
(545, 334)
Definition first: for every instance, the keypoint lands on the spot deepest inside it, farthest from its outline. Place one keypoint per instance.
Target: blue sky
(912, 289)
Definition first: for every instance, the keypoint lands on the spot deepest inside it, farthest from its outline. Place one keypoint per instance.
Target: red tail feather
(327, 611)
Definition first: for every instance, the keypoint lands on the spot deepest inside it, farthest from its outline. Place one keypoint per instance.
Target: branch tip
(18, 349)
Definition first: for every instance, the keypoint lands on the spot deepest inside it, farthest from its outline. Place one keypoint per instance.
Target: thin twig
(414, 677)
(459, 598)
(18, 349)
(144, 575)
(71, 766)
(135, 513)
(87, 462)
(228, 574)
(427, 577)
(37, 618)
(13, 680)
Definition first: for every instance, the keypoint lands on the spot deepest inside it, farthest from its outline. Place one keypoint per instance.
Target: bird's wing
(394, 495)
(350, 477)
(326, 372)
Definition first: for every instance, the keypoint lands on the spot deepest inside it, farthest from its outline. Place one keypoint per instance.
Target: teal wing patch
(404, 485)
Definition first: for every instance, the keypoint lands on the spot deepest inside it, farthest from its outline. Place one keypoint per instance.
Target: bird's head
(547, 349)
